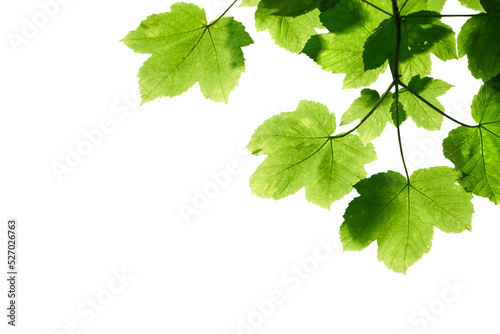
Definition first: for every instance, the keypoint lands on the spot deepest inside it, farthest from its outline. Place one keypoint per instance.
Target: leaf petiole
(396, 97)
(224, 13)
(444, 15)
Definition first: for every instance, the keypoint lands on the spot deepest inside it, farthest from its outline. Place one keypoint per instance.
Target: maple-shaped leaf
(401, 214)
(322, 5)
(421, 113)
(479, 40)
(419, 37)
(350, 23)
(414, 6)
(476, 150)
(352, 17)
(405, 6)
(325, 5)
(291, 33)
(436, 5)
(289, 7)
(302, 153)
(375, 124)
(472, 4)
(249, 3)
(398, 115)
(186, 49)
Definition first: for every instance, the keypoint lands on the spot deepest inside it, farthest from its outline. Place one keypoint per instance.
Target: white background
(119, 208)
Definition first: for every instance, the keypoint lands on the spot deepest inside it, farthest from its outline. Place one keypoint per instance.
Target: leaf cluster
(362, 40)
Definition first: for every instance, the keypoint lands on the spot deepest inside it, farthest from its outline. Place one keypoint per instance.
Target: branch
(395, 72)
(397, 22)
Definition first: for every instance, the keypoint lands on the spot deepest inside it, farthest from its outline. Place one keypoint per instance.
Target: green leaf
(302, 154)
(325, 5)
(249, 3)
(419, 37)
(480, 41)
(185, 50)
(401, 215)
(291, 33)
(341, 51)
(375, 125)
(341, 54)
(476, 151)
(289, 8)
(473, 4)
(436, 5)
(322, 5)
(352, 17)
(398, 115)
(423, 115)
(406, 7)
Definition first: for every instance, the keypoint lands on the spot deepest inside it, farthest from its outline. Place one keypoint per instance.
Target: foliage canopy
(360, 39)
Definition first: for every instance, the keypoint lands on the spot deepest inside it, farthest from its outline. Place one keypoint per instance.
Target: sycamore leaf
(291, 33)
(342, 54)
(249, 3)
(303, 154)
(472, 4)
(325, 5)
(411, 6)
(480, 41)
(341, 51)
(436, 5)
(185, 50)
(401, 214)
(423, 115)
(352, 17)
(322, 5)
(288, 7)
(476, 151)
(419, 37)
(375, 125)
(406, 7)
(398, 115)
